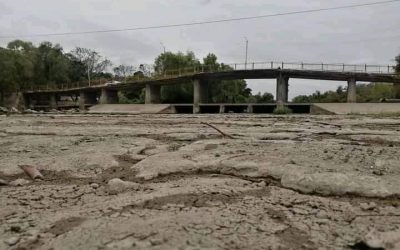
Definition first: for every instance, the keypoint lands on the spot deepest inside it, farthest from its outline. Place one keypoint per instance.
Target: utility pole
(163, 67)
(247, 51)
(163, 46)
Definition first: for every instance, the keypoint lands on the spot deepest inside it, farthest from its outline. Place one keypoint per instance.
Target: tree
(52, 66)
(22, 56)
(92, 60)
(173, 63)
(225, 91)
(373, 92)
(123, 71)
(262, 98)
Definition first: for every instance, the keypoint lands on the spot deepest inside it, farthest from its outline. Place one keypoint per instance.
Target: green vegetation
(373, 92)
(26, 66)
(282, 110)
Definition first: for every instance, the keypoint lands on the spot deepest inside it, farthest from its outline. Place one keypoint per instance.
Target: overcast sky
(360, 35)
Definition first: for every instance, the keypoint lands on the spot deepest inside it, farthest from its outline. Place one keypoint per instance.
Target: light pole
(247, 51)
(162, 45)
(163, 66)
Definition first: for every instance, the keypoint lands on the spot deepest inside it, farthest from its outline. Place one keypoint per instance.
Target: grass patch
(282, 110)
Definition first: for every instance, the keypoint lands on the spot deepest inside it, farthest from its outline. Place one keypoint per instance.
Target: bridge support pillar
(351, 91)
(282, 89)
(200, 94)
(53, 101)
(86, 98)
(108, 96)
(29, 101)
(153, 94)
(396, 88)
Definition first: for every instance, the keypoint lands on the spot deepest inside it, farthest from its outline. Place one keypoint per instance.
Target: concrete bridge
(86, 96)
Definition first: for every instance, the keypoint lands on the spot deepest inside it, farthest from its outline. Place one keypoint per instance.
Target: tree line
(373, 92)
(24, 66)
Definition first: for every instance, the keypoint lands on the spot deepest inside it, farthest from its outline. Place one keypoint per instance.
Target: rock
(3, 110)
(116, 186)
(368, 206)
(14, 110)
(12, 241)
(387, 240)
(262, 184)
(30, 111)
(378, 172)
(94, 185)
(19, 182)
(339, 184)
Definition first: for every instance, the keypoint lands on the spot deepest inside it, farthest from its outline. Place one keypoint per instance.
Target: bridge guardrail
(153, 75)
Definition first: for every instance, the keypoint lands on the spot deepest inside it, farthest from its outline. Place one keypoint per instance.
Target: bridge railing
(167, 74)
(356, 68)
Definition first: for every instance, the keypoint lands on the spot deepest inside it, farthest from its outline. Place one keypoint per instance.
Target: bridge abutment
(282, 89)
(200, 94)
(351, 91)
(153, 94)
(108, 96)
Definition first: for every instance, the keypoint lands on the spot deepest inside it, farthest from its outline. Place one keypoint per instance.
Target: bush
(282, 110)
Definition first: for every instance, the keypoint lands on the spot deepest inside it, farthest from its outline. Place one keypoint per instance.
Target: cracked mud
(169, 182)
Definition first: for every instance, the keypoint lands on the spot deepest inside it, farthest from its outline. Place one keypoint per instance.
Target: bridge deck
(236, 74)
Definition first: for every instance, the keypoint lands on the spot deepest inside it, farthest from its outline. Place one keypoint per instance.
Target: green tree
(373, 92)
(52, 66)
(397, 67)
(8, 73)
(169, 62)
(261, 98)
(225, 91)
(22, 56)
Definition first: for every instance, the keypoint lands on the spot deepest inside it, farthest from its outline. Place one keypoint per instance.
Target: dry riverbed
(171, 182)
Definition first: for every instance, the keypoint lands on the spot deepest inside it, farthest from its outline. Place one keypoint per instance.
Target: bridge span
(86, 95)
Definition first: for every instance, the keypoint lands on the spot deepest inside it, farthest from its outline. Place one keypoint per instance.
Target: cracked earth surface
(170, 182)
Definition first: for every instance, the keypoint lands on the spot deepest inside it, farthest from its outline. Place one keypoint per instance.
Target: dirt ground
(171, 182)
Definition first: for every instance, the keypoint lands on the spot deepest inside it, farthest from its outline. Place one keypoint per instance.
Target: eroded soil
(282, 182)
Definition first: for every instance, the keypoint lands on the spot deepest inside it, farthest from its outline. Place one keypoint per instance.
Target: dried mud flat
(170, 182)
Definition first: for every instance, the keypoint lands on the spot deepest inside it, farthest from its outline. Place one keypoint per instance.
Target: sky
(364, 35)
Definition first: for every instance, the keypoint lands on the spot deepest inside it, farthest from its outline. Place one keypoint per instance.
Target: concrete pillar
(200, 94)
(153, 94)
(396, 89)
(14, 100)
(108, 96)
(222, 109)
(282, 89)
(53, 101)
(86, 98)
(29, 101)
(250, 109)
(351, 90)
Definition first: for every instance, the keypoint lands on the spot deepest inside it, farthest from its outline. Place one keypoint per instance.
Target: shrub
(282, 110)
